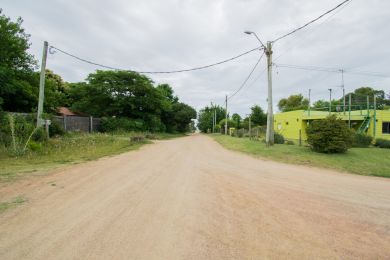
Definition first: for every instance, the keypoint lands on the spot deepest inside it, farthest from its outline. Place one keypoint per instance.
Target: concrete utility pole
(330, 100)
(309, 102)
(250, 128)
(269, 137)
(42, 85)
(342, 85)
(212, 128)
(226, 112)
(215, 118)
(349, 110)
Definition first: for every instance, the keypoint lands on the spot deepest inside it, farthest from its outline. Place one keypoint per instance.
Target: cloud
(176, 34)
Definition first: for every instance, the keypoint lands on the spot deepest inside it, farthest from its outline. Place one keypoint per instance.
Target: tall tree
(16, 66)
(293, 102)
(237, 119)
(205, 117)
(258, 117)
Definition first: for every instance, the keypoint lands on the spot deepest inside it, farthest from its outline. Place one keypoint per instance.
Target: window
(386, 128)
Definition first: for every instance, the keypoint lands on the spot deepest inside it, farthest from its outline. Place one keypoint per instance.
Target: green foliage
(278, 138)
(16, 132)
(258, 117)
(113, 124)
(382, 143)
(16, 66)
(361, 140)
(289, 142)
(55, 129)
(230, 124)
(237, 119)
(126, 94)
(365, 161)
(293, 102)
(205, 117)
(330, 135)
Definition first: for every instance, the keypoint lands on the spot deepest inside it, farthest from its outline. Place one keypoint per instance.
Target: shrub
(382, 143)
(330, 135)
(112, 124)
(55, 129)
(278, 138)
(289, 142)
(361, 140)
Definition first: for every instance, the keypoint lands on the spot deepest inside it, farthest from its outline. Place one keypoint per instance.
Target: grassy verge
(68, 149)
(11, 204)
(364, 161)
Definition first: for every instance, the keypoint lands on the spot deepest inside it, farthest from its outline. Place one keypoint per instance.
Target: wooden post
(64, 120)
(300, 137)
(90, 124)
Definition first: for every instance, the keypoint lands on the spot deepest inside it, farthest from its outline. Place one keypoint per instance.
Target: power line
(247, 78)
(155, 72)
(312, 21)
(332, 70)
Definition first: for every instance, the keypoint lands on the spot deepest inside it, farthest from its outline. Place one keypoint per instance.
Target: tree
(16, 67)
(359, 98)
(293, 102)
(237, 119)
(258, 117)
(205, 117)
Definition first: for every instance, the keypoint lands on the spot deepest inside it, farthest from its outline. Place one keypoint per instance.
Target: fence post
(300, 137)
(64, 122)
(90, 124)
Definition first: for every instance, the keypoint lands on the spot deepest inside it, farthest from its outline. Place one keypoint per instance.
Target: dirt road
(189, 198)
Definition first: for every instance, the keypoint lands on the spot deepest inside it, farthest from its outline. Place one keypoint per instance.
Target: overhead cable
(247, 78)
(312, 21)
(333, 70)
(156, 72)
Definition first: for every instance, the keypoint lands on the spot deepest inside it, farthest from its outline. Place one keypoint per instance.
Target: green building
(292, 125)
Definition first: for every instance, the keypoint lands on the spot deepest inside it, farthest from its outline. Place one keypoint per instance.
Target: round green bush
(330, 135)
(278, 138)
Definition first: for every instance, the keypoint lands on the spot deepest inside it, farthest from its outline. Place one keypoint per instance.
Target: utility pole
(226, 112)
(42, 85)
(342, 85)
(330, 100)
(212, 109)
(374, 134)
(309, 102)
(349, 111)
(250, 128)
(269, 137)
(215, 118)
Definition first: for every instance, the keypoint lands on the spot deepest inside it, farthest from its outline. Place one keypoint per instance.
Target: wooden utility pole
(42, 85)
(269, 136)
(250, 128)
(226, 118)
(330, 100)
(309, 102)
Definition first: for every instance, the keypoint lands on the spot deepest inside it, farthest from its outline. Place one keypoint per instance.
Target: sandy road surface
(189, 198)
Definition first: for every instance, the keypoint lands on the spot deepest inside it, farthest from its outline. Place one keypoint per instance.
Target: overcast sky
(176, 34)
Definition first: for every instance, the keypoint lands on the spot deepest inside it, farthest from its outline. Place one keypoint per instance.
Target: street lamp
(269, 136)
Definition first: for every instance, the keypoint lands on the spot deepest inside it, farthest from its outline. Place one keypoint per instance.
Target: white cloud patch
(176, 34)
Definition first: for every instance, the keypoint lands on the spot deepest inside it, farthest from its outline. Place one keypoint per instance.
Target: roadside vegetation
(364, 161)
(11, 204)
(69, 149)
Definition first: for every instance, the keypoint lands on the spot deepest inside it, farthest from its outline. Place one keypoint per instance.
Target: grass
(11, 204)
(68, 149)
(364, 161)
